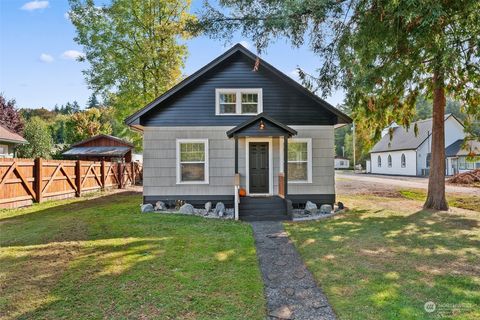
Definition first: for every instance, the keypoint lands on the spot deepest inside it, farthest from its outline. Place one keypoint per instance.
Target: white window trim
(238, 106)
(270, 165)
(309, 158)
(206, 180)
(389, 161)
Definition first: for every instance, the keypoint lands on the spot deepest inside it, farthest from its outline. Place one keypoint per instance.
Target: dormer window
(238, 101)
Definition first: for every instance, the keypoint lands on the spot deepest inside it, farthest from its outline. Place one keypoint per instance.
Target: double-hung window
(300, 160)
(238, 101)
(192, 161)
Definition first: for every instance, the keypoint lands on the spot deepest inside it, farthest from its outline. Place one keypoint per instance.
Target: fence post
(120, 175)
(78, 178)
(102, 172)
(38, 169)
(133, 172)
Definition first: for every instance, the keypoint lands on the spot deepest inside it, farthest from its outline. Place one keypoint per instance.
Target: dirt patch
(469, 178)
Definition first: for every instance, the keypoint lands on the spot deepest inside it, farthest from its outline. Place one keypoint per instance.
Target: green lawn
(386, 257)
(468, 202)
(100, 258)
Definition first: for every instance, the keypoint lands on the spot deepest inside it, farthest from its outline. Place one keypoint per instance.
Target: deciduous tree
(39, 139)
(10, 117)
(134, 48)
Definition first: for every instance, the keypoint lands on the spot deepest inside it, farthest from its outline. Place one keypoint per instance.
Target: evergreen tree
(384, 53)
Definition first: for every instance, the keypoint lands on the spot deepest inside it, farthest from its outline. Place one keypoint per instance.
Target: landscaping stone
(187, 208)
(326, 209)
(160, 206)
(290, 291)
(281, 262)
(310, 208)
(208, 206)
(220, 209)
(282, 312)
(147, 207)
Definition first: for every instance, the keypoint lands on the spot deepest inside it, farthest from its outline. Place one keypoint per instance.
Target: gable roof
(8, 136)
(134, 118)
(455, 149)
(261, 116)
(97, 151)
(107, 136)
(403, 139)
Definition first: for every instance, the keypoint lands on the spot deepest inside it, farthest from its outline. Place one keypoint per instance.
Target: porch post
(236, 154)
(285, 165)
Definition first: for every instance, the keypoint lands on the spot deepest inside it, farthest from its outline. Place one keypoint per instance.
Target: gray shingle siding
(160, 161)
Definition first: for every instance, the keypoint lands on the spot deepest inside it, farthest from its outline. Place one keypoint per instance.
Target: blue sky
(37, 55)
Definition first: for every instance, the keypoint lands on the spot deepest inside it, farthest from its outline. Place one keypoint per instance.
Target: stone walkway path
(290, 289)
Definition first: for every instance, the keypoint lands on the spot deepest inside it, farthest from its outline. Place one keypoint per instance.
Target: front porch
(264, 141)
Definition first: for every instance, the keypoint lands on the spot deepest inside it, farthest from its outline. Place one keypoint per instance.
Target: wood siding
(194, 105)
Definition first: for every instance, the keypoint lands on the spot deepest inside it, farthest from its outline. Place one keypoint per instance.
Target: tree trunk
(436, 182)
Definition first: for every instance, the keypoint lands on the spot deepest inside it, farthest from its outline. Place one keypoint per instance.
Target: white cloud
(35, 5)
(66, 15)
(45, 57)
(72, 55)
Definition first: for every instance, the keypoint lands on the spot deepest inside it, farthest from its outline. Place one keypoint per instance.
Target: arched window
(429, 158)
(379, 161)
(404, 160)
(389, 161)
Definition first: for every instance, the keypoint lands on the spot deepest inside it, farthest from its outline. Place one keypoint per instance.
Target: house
(342, 162)
(238, 122)
(101, 147)
(8, 142)
(462, 157)
(407, 153)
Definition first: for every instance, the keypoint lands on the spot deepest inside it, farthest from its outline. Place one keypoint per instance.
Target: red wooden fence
(23, 181)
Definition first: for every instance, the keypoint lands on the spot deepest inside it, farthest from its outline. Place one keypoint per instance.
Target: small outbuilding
(101, 147)
(342, 162)
(8, 142)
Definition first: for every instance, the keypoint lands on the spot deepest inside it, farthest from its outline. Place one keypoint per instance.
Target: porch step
(262, 209)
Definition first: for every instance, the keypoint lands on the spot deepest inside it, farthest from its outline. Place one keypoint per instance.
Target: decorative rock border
(220, 212)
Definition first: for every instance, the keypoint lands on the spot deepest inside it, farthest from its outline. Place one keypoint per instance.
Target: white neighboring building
(408, 154)
(342, 163)
(460, 159)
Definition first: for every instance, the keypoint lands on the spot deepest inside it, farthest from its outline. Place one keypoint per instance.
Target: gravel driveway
(360, 183)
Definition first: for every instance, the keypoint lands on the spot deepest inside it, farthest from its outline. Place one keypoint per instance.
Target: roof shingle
(9, 136)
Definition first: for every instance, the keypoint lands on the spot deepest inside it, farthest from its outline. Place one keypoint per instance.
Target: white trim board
(309, 163)
(177, 161)
(270, 164)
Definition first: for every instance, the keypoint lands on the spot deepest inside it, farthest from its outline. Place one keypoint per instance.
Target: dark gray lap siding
(195, 104)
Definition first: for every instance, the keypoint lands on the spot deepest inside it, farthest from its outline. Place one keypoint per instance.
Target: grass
(100, 258)
(460, 201)
(385, 258)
